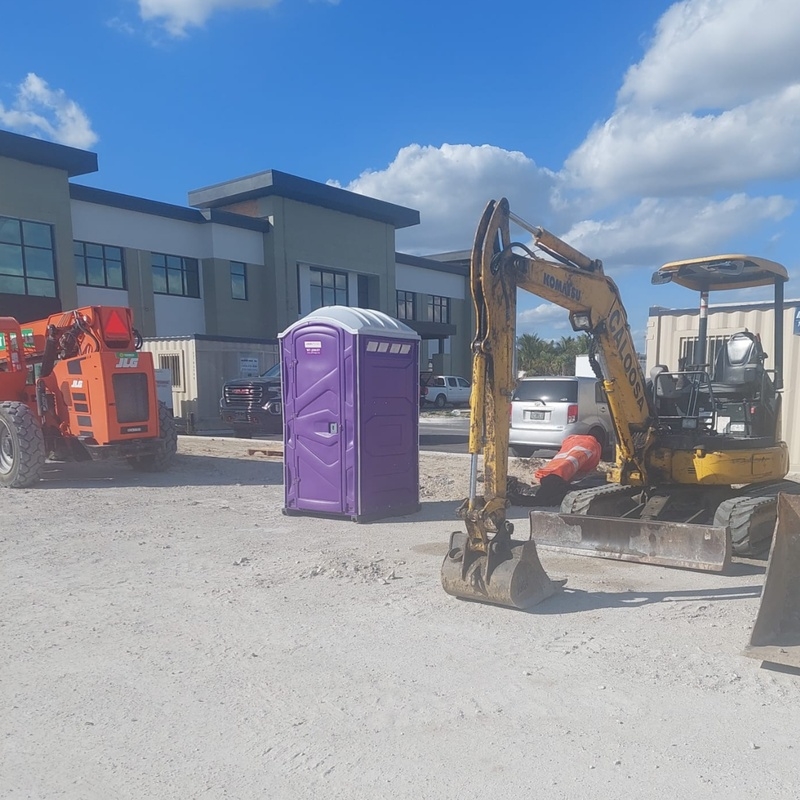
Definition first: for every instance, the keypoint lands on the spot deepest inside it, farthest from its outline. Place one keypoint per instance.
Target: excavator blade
(512, 576)
(669, 544)
(776, 632)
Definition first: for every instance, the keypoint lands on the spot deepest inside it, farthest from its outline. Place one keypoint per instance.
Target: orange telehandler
(75, 387)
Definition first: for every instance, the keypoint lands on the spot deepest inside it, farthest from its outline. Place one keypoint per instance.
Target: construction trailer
(200, 364)
(672, 336)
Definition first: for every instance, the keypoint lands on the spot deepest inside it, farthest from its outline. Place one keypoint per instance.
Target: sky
(640, 131)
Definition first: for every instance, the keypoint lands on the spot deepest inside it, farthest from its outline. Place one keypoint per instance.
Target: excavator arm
(485, 558)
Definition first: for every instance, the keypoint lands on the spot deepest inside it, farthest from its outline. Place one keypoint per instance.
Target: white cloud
(40, 111)
(450, 186)
(713, 104)
(177, 16)
(649, 152)
(545, 313)
(711, 110)
(656, 230)
(717, 54)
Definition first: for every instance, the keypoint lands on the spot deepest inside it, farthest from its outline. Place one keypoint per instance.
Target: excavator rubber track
(750, 516)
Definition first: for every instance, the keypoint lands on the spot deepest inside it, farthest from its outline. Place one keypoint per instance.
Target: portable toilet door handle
(333, 427)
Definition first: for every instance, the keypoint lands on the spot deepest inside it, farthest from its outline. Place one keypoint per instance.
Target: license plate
(737, 427)
(241, 416)
(536, 414)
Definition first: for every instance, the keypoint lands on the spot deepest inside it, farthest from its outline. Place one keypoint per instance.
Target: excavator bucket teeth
(512, 577)
(669, 544)
(776, 632)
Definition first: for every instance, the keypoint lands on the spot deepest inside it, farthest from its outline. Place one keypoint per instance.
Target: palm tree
(537, 356)
(534, 354)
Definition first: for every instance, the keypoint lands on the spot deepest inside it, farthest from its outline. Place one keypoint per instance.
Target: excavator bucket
(776, 633)
(669, 544)
(509, 575)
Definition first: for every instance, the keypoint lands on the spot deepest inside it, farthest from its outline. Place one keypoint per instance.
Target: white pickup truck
(444, 389)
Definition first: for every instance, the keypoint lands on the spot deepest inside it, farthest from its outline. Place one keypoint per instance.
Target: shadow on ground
(573, 601)
(188, 470)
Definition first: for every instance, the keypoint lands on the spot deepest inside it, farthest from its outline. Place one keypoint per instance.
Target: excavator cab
(743, 393)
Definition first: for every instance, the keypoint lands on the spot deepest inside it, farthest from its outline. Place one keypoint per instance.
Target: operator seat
(743, 389)
(739, 367)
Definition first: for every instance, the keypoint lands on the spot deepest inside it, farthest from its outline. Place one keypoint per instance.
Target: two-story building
(211, 284)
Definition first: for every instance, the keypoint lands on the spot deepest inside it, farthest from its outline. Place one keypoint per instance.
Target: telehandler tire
(158, 462)
(22, 453)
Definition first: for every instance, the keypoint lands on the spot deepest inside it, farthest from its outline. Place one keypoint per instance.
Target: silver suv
(545, 410)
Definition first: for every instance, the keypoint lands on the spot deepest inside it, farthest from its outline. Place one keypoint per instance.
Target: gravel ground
(175, 636)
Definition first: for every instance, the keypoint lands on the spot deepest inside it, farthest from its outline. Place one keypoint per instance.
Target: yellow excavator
(700, 462)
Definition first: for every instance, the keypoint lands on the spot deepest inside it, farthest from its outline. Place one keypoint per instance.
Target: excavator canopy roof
(714, 273)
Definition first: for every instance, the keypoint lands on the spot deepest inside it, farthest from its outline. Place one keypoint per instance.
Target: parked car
(253, 405)
(545, 410)
(444, 389)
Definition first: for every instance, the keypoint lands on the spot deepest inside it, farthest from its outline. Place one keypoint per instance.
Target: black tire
(243, 433)
(21, 446)
(158, 462)
(521, 451)
(440, 401)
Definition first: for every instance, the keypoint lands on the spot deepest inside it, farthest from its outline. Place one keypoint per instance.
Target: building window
(406, 305)
(175, 275)
(438, 309)
(98, 265)
(238, 280)
(172, 362)
(27, 261)
(328, 288)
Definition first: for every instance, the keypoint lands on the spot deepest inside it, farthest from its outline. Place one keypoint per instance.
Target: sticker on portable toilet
(313, 348)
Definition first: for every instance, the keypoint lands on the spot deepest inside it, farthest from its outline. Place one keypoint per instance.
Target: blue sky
(641, 131)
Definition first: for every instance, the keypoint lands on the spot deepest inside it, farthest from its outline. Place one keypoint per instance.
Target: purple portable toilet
(351, 414)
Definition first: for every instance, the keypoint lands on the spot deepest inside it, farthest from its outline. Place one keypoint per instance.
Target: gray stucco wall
(41, 194)
(321, 237)
(227, 316)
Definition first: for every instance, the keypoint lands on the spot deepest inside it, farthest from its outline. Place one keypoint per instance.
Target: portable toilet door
(318, 405)
(388, 425)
